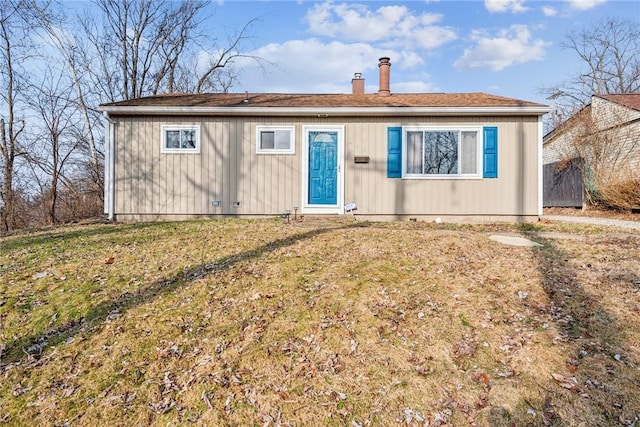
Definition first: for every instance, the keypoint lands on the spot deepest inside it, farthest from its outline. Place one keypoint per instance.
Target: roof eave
(324, 111)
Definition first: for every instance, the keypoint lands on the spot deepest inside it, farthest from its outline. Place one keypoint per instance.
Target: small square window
(180, 139)
(275, 140)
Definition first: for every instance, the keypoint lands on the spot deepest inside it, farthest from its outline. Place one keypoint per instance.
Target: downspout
(109, 168)
(540, 168)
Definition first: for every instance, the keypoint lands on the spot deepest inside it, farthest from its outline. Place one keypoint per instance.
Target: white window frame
(163, 138)
(292, 140)
(460, 129)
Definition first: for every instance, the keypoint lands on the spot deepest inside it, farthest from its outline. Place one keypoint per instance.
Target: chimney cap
(384, 60)
(357, 75)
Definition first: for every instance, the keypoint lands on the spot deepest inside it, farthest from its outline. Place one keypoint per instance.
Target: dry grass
(623, 193)
(318, 323)
(594, 212)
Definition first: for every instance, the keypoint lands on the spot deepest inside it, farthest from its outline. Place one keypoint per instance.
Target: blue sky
(504, 47)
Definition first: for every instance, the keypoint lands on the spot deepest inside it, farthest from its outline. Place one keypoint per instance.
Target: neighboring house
(602, 139)
(461, 157)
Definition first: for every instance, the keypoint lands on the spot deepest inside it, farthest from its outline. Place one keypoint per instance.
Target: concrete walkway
(509, 239)
(633, 225)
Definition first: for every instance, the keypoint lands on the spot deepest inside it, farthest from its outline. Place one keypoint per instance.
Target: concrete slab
(514, 240)
(560, 236)
(634, 225)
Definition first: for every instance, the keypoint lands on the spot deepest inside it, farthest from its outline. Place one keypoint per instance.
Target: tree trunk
(8, 136)
(8, 219)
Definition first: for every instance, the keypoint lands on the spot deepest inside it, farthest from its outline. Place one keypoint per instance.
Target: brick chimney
(357, 84)
(385, 71)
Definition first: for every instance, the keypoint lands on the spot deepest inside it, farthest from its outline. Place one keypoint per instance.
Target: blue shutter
(394, 152)
(490, 152)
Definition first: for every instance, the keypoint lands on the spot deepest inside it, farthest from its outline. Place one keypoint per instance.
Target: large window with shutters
(442, 152)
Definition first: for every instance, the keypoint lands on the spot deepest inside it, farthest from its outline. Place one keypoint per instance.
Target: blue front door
(323, 168)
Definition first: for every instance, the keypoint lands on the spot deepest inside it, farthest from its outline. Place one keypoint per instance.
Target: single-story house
(600, 143)
(457, 156)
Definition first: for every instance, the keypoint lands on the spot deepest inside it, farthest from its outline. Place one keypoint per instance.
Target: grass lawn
(319, 322)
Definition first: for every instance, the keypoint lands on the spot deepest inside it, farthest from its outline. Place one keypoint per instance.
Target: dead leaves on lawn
(411, 326)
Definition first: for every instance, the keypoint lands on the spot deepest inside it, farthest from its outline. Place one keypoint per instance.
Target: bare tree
(609, 57)
(57, 139)
(52, 131)
(158, 46)
(73, 60)
(12, 50)
(216, 75)
(606, 140)
(148, 47)
(608, 53)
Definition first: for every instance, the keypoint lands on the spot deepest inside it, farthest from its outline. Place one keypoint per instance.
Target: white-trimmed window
(275, 139)
(181, 139)
(442, 152)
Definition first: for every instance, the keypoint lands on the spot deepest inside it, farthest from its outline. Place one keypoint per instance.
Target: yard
(318, 322)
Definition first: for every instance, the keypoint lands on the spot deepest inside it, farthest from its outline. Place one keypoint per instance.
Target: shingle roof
(629, 100)
(230, 100)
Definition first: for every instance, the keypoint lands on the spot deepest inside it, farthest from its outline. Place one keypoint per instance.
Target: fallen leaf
(163, 406)
(484, 378)
(569, 383)
(336, 395)
(18, 389)
(206, 399)
(68, 391)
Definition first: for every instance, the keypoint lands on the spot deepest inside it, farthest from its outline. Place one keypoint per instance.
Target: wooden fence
(562, 184)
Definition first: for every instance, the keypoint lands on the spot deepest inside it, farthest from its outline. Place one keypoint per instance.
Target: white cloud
(511, 46)
(549, 11)
(308, 66)
(313, 66)
(408, 59)
(501, 6)
(413, 87)
(348, 38)
(585, 4)
(392, 25)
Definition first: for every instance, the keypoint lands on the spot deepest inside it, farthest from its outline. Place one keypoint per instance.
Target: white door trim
(307, 208)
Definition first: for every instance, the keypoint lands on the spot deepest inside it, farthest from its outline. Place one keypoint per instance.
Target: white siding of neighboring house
(621, 125)
(559, 147)
(607, 117)
(609, 114)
